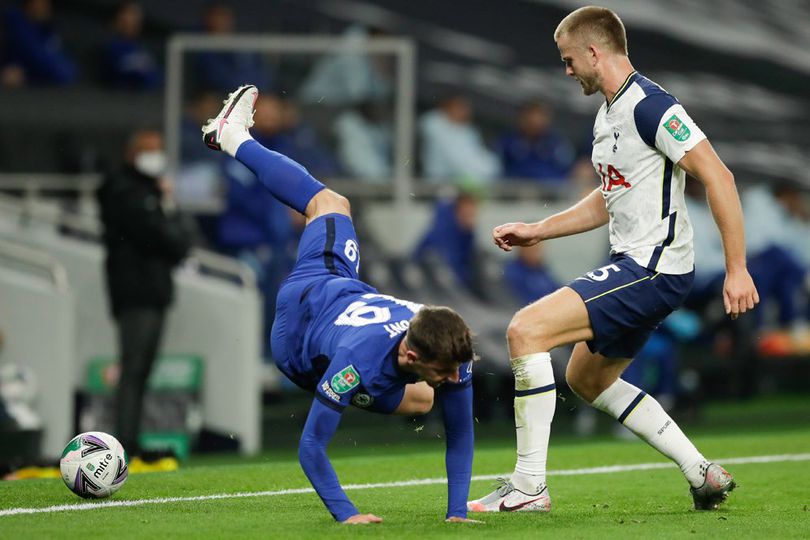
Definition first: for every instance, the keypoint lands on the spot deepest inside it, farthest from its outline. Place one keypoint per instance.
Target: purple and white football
(94, 465)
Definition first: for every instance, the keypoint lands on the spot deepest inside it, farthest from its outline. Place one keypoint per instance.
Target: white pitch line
(405, 483)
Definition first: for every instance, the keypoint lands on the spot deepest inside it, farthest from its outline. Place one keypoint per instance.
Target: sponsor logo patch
(677, 128)
(346, 379)
(329, 392)
(362, 400)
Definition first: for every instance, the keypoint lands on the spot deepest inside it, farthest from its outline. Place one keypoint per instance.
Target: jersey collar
(623, 88)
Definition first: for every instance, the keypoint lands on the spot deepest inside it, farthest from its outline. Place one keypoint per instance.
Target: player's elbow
(721, 177)
(724, 176)
(421, 406)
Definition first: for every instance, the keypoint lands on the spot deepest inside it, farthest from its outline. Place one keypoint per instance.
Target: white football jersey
(639, 137)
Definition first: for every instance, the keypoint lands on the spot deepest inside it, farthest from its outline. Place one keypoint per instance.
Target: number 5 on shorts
(601, 274)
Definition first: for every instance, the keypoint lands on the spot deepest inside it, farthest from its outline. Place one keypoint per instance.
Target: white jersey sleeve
(663, 123)
(677, 133)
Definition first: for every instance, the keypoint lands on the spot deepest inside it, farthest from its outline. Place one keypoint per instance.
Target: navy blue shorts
(325, 271)
(626, 302)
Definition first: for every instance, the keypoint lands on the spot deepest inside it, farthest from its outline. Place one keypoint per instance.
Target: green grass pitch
(773, 500)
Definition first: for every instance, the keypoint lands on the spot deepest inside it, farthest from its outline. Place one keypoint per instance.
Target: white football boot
(230, 127)
(717, 484)
(507, 498)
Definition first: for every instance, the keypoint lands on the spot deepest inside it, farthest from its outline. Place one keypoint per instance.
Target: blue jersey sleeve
(321, 425)
(456, 402)
(648, 115)
(340, 382)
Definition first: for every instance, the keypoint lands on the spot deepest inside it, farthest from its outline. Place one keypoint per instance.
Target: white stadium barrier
(37, 316)
(217, 318)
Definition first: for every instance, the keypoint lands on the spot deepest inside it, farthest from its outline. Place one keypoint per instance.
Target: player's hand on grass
(516, 234)
(362, 519)
(739, 293)
(457, 519)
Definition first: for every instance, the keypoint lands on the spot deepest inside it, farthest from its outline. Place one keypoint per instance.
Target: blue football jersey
(336, 335)
(361, 341)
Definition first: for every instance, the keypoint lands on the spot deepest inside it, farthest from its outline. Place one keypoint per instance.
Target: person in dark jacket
(145, 239)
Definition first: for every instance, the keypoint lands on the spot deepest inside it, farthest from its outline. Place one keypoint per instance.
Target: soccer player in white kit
(644, 144)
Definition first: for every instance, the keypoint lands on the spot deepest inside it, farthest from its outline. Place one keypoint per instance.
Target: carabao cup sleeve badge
(676, 127)
(344, 380)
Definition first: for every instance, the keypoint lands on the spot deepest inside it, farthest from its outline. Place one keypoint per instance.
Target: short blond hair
(594, 24)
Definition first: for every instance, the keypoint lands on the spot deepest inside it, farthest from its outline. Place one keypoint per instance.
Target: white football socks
(232, 138)
(535, 402)
(645, 417)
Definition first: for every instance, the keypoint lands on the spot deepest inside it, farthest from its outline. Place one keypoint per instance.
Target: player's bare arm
(588, 214)
(703, 163)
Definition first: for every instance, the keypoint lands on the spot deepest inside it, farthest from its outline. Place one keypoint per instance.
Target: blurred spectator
(775, 269)
(145, 239)
(451, 238)
(127, 63)
(364, 143)
(795, 201)
(528, 276)
(224, 71)
(278, 126)
(772, 238)
(202, 107)
(349, 76)
(199, 177)
(534, 150)
(452, 147)
(33, 51)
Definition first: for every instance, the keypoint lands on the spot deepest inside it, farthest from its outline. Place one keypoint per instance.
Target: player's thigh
(557, 319)
(588, 373)
(417, 400)
(326, 202)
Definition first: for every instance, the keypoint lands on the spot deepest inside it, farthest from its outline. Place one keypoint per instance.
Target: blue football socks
(286, 179)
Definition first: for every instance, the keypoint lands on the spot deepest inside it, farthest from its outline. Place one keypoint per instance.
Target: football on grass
(94, 465)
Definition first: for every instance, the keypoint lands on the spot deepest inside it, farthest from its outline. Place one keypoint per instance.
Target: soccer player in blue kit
(644, 144)
(339, 338)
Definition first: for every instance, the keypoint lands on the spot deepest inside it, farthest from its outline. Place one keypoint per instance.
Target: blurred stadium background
(439, 120)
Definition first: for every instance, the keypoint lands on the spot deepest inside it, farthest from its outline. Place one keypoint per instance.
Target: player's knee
(526, 331)
(341, 202)
(337, 201)
(328, 202)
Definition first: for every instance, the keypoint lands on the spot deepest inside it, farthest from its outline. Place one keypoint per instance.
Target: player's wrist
(736, 267)
(539, 230)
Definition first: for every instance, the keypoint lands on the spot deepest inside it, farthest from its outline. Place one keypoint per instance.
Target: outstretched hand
(362, 519)
(739, 293)
(515, 234)
(456, 519)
